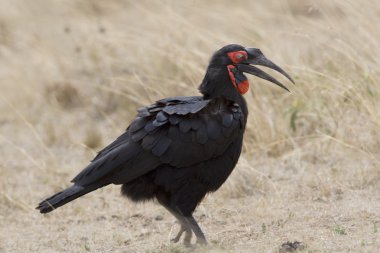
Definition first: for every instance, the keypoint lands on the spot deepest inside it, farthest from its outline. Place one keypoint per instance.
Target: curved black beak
(256, 57)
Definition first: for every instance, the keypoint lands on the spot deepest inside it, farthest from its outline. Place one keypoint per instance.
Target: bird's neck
(217, 83)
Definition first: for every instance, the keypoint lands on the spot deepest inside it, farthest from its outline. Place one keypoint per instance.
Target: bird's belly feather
(203, 177)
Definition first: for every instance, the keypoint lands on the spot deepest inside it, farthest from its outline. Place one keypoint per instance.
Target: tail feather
(63, 197)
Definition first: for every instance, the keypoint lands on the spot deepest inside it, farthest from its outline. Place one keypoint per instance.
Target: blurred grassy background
(72, 74)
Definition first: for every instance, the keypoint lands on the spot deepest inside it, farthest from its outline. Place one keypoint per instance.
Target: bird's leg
(187, 238)
(187, 222)
(201, 239)
(178, 236)
(184, 227)
(188, 235)
(189, 225)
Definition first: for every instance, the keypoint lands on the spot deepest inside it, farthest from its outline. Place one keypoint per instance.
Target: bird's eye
(237, 56)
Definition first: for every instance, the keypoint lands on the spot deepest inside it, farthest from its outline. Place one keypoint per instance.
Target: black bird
(179, 148)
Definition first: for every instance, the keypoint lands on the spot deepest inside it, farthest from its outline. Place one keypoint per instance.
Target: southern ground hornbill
(180, 148)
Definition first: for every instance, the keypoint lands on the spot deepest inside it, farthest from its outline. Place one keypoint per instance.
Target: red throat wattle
(238, 80)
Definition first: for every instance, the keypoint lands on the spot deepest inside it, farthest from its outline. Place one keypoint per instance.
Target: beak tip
(286, 88)
(289, 78)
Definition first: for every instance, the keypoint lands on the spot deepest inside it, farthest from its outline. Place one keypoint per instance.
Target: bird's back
(179, 132)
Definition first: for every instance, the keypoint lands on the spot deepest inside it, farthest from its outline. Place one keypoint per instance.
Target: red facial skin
(237, 57)
(243, 86)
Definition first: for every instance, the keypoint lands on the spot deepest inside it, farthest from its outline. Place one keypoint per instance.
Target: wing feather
(180, 131)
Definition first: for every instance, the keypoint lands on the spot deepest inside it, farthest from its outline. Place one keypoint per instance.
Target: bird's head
(229, 64)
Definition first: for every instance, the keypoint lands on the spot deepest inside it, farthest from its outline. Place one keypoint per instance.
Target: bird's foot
(187, 238)
(178, 236)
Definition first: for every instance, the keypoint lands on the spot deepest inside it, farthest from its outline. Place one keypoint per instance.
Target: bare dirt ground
(72, 74)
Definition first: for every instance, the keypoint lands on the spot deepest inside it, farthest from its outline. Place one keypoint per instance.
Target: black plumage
(178, 149)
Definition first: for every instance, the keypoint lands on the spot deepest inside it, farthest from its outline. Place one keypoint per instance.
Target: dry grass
(72, 74)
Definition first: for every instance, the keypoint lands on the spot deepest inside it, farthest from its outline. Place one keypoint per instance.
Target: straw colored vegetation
(72, 74)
